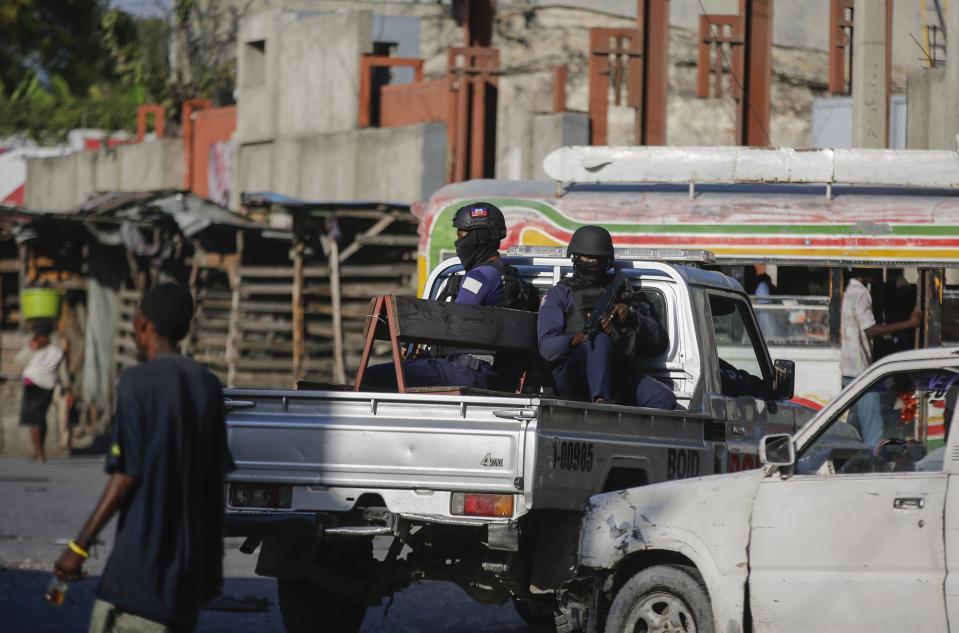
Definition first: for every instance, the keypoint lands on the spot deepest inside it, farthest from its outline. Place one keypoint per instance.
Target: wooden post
(198, 256)
(298, 320)
(232, 337)
(835, 304)
(339, 365)
(22, 278)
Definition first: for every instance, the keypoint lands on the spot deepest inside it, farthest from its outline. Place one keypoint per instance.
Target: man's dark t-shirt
(170, 434)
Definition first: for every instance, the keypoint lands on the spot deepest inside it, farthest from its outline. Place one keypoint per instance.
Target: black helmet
(591, 240)
(481, 215)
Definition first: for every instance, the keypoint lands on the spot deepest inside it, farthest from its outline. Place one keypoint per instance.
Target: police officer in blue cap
(597, 370)
(488, 282)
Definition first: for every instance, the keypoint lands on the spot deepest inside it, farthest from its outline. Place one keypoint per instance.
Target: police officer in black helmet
(488, 282)
(597, 370)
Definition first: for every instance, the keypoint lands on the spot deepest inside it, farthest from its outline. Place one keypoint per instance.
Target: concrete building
(298, 106)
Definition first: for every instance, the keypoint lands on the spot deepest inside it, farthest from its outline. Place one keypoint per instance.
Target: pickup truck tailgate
(374, 440)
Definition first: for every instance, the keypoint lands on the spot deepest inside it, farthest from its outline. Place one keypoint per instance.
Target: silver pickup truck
(487, 489)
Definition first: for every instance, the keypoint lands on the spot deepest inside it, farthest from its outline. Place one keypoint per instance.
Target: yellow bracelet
(76, 549)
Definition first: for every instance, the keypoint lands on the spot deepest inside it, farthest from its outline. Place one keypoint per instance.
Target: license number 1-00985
(574, 456)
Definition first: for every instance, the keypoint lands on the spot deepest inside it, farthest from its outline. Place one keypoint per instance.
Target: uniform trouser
(589, 374)
(429, 372)
(867, 413)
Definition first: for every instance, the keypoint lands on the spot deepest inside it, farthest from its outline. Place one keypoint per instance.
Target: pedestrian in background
(167, 461)
(40, 360)
(857, 326)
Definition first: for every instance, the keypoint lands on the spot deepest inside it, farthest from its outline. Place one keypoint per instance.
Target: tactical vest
(584, 297)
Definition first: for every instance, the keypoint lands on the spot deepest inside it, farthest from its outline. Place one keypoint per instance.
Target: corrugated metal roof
(268, 198)
(191, 213)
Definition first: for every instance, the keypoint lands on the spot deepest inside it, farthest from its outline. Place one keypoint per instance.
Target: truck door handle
(908, 503)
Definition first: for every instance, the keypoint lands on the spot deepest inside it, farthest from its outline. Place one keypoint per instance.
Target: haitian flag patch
(478, 213)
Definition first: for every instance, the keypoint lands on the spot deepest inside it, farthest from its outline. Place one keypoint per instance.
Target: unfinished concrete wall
(255, 79)
(319, 69)
(552, 131)
(405, 164)
(521, 98)
(927, 114)
(60, 183)
(297, 75)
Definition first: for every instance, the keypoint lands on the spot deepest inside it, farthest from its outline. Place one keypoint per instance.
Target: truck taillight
(469, 504)
(260, 496)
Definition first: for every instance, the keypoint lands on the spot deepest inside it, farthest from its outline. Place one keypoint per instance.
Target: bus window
(793, 320)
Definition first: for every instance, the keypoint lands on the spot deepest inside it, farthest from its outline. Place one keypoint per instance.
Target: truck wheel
(661, 599)
(538, 613)
(308, 609)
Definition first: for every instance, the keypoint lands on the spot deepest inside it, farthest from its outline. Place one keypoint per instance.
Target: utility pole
(870, 88)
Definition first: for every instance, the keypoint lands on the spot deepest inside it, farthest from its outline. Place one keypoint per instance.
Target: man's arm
(554, 342)
(70, 564)
(881, 329)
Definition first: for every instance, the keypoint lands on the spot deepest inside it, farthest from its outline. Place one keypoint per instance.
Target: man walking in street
(857, 326)
(167, 462)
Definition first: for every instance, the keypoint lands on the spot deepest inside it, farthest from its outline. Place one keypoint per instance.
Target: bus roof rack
(731, 165)
(678, 255)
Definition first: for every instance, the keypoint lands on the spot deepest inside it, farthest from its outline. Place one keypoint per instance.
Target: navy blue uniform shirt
(170, 434)
(482, 286)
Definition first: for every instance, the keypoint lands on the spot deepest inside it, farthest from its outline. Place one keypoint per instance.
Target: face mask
(592, 272)
(473, 251)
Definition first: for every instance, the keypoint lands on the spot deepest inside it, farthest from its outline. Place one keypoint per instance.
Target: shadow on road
(426, 608)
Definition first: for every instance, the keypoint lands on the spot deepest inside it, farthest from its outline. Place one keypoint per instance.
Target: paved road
(42, 505)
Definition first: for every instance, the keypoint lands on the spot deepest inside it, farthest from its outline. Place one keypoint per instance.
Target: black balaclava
(592, 273)
(477, 247)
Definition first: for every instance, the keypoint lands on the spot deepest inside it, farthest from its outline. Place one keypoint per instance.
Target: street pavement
(43, 505)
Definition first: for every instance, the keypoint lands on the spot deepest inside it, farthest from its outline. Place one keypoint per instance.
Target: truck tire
(661, 599)
(537, 613)
(307, 609)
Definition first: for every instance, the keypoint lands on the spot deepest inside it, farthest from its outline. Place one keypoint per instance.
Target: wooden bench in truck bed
(426, 322)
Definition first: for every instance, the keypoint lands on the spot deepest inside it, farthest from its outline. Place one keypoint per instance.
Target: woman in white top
(40, 359)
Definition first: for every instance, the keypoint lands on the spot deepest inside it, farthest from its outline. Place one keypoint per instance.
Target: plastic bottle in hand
(56, 591)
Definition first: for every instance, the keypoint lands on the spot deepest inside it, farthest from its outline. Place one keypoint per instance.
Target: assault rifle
(604, 308)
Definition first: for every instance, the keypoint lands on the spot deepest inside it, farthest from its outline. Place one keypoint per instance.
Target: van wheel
(538, 613)
(661, 599)
(307, 609)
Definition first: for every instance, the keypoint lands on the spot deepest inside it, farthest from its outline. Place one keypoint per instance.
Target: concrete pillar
(952, 77)
(870, 92)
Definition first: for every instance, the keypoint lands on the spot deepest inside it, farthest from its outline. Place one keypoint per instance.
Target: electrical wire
(742, 90)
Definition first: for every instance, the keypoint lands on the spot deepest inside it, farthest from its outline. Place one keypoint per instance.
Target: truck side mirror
(777, 450)
(784, 379)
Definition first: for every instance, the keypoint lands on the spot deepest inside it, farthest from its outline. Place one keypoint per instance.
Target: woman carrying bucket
(40, 360)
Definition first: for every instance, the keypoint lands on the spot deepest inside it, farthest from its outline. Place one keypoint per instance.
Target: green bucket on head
(40, 303)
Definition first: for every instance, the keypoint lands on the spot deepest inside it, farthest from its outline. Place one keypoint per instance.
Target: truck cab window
(742, 372)
(898, 424)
